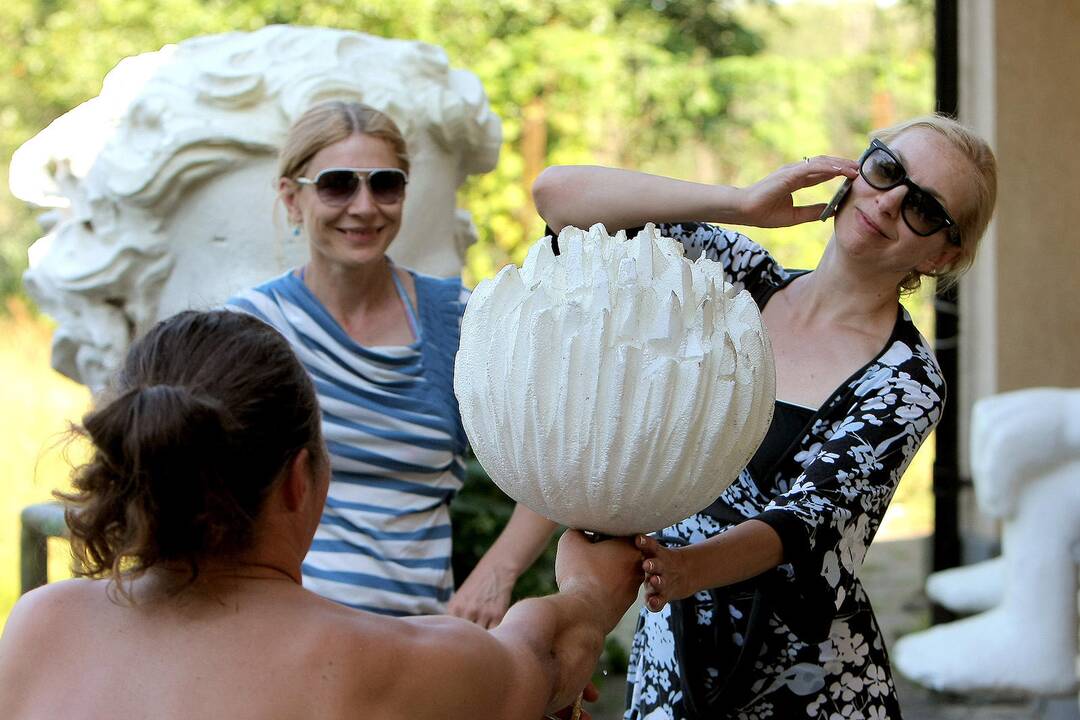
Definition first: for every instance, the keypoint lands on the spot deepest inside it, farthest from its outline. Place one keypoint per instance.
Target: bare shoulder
(35, 611)
(430, 667)
(37, 631)
(477, 672)
(52, 617)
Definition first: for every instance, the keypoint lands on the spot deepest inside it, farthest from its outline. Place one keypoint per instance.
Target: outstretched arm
(485, 595)
(584, 195)
(537, 660)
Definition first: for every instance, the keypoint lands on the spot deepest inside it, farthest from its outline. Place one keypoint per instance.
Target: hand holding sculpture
(617, 387)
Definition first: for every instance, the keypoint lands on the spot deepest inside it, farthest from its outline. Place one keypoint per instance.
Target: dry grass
(37, 404)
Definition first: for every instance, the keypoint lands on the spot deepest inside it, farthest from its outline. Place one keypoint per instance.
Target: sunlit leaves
(665, 85)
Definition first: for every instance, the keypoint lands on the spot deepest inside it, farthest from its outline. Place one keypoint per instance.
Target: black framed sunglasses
(337, 187)
(921, 211)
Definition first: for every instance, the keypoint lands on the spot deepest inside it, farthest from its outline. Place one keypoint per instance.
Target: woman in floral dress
(753, 606)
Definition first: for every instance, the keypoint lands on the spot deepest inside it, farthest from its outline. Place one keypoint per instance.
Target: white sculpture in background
(163, 185)
(617, 387)
(1025, 461)
(969, 588)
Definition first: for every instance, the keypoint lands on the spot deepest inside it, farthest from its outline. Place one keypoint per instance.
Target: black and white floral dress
(810, 645)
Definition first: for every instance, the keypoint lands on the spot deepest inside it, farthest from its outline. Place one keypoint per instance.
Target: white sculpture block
(1026, 464)
(616, 387)
(968, 588)
(163, 186)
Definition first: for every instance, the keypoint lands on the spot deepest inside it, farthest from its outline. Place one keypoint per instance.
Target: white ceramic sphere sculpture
(617, 387)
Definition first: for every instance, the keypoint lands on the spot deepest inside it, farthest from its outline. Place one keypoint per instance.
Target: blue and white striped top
(392, 426)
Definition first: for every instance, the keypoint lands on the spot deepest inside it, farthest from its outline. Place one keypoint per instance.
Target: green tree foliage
(720, 91)
(571, 79)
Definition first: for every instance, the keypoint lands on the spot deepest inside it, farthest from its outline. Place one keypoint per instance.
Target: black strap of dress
(703, 648)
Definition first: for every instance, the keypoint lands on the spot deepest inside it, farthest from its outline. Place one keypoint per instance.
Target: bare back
(270, 651)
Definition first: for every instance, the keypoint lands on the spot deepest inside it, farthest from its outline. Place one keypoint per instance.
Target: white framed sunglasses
(337, 186)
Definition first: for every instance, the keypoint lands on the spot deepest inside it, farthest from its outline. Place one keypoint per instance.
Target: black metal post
(946, 542)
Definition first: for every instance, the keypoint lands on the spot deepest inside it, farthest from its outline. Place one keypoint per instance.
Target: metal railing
(39, 523)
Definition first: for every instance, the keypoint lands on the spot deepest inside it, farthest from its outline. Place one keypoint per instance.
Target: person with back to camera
(205, 487)
(379, 342)
(758, 595)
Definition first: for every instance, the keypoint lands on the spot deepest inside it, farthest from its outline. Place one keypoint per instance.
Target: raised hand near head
(769, 203)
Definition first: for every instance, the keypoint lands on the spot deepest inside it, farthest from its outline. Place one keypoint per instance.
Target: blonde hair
(973, 216)
(332, 121)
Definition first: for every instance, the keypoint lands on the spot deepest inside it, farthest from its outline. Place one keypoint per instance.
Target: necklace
(238, 571)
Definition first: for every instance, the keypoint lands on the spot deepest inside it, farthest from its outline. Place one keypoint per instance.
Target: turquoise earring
(296, 231)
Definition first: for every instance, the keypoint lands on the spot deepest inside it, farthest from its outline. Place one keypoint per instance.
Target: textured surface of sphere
(616, 387)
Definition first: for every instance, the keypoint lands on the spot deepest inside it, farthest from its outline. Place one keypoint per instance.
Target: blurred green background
(709, 90)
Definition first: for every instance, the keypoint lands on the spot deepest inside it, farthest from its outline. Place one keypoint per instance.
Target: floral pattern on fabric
(822, 655)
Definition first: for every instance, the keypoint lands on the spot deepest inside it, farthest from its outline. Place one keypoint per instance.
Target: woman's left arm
(745, 551)
(824, 522)
(832, 510)
(485, 595)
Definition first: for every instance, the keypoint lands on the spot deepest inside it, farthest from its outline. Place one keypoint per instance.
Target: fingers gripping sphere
(616, 387)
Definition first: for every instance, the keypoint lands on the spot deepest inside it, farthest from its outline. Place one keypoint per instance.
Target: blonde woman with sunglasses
(753, 606)
(379, 342)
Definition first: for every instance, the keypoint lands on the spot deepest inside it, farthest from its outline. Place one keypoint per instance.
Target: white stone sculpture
(968, 588)
(1025, 449)
(163, 185)
(617, 387)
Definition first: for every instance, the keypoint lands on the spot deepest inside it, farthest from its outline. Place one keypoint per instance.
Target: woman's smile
(360, 234)
(870, 225)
